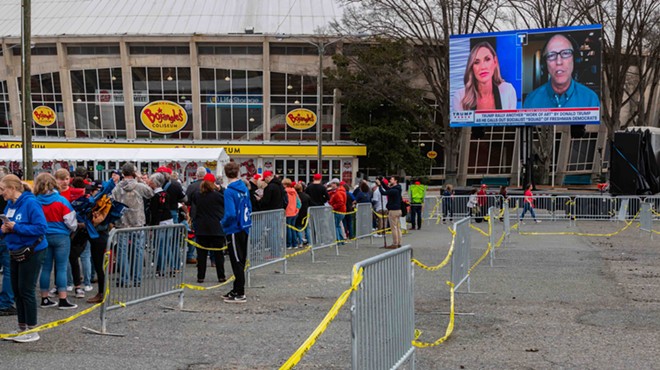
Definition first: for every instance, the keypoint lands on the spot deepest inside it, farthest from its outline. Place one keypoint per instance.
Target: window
(581, 157)
(154, 49)
(93, 50)
(38, 50)
(5, 115)
(232, 104)
(289, 92)
(98, 103)
(162, 83)
(209, 49)
(491, 151)
(46, 90)
(307, 49)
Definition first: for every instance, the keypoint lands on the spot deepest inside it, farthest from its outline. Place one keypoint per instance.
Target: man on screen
(561, 90)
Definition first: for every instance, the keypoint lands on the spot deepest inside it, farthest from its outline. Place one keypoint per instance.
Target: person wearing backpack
(417, 194)
(236, 223)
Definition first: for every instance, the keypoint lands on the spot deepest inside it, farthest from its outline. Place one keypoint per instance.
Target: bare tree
(426, 25)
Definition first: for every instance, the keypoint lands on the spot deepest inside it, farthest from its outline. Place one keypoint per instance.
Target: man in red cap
(317, 192)
(254, 197)
(174, 191)
(274, 193)
(417, 193)
(482, 199)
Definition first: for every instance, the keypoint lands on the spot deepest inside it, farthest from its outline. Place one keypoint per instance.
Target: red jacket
(338, 200)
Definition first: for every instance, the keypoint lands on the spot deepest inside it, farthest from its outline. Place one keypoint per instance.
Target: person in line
(394, 202)
(338, 204)
(473, 203)
(210, 206)
(349, 220)
(131, 193)
(79, 243)
(6, 293)
(63, 178)
(561, 90)
(274, 193)
(236, 223)
(192, 191)
(159, 214)
(317, 192)
(484, 86)
(25, 236)
(302, 220)
(504, 197)
(417, 194)
(379, 201)
(482, 199)
(448, 204)
(173, 187)
(255, 195)
(62, 222)
(528, 204)
(291, 213)
(362, 193)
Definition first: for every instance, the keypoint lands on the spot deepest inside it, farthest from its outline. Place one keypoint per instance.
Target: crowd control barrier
(146, 263)
(506, 219)
(655, 206)
(546, 207)
(383, 312)
(432, 208)
(363, 222)
(646, 218)
(267, 240)
(324, 233)
(492, 215)
(460, 259)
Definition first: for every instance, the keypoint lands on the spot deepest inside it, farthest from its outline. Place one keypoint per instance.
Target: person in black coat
(273, 193)
(305, 200)
(317, 192)
(254, 197)
(210, 205)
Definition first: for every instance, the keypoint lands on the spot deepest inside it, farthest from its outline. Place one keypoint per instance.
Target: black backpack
(404, 208)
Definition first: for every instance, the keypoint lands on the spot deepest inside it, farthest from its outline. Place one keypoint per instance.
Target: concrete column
(336, 115)
(463, 156)
(266, 90)
(12, 73)
(127, 82)
(67, 93)
(196, 91)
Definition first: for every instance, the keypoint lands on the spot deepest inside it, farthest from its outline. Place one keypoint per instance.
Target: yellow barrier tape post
(450, 327)
(445, 261)
(302, 350)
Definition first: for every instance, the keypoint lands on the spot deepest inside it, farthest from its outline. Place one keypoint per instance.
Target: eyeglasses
(565, 54)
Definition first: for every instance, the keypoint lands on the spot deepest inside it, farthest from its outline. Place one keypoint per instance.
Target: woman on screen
(484, 86)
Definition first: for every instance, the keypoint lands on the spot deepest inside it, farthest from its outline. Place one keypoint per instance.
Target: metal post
(319, 105)
(25, 90)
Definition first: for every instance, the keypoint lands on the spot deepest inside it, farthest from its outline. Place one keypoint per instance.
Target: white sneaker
(69, 288)
(80, 293)
(89, 288)
(378, 235)
(537, 221)
(12, 332)
(26, 338)
(52, 293)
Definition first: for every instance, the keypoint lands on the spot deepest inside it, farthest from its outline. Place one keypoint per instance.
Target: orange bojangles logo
(164, 117)
(44, 116)
(301, 119)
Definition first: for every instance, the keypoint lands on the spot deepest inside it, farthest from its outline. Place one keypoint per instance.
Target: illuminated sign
(432, 154)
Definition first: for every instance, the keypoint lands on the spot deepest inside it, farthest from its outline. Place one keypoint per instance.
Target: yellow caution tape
(203, 247)
(197, 287)
(444, 262)
(307, 249)
(379, 215)
(323, 326)
(346, 213)
(450, 327)
(479, 230)
(480, 258)
(305, 224)
(575, 233)
(57, 323)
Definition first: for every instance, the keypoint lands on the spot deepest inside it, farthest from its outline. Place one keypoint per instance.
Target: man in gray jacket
(131, 193)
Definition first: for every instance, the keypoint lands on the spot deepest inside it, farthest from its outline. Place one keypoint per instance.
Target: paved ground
(550, 302)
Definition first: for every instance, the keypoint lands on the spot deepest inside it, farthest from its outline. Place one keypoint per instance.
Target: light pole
(25, 91)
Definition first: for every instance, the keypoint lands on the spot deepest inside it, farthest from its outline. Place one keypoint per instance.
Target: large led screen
(547, 76)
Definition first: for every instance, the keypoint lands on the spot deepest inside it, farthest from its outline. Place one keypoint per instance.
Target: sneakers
(46, 302)
(229, 295)
(537, 221)
(26, 338)
(13, 332)
(9, 311)
(66, 305)
(80, 293)
(69, 288)
(52, 293)
(96, 299)
(89, 288)
(236, 299)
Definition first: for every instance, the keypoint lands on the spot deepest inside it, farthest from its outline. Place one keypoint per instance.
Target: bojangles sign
(164, 117)
(44, 116)
(301, 119)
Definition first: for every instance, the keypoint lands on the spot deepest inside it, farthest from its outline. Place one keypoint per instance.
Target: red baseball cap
(209, 177)
(385, 181)
(268, 174)
(342, 183)
(417, 183)
(256, 176)
(164, 169)
(317, 176)
(484, 185)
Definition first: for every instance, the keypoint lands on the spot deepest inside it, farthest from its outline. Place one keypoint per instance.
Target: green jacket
(417, 193)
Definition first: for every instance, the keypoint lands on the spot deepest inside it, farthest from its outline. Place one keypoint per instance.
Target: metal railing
(323, 230)
(146, 263)
(546, 207)
(383, 312)
(363, 222)
(267, 240)
(460, 259)
(655, 206)
(646, 218)
(432, 208)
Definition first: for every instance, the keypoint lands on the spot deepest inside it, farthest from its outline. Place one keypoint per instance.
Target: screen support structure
(526, 134)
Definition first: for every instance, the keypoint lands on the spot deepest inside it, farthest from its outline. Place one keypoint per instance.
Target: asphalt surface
(549, 302)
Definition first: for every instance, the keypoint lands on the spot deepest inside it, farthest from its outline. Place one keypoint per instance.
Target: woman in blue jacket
(26, 227)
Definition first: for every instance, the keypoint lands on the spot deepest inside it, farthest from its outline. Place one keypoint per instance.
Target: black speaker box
(623, 156)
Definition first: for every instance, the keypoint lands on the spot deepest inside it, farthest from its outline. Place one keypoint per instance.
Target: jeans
(291, 234)
(190, 254)
(130, 257)
(86, 261)
(175, 215)
(237, 254)
(58, 251)
(527, 207)
(349, 221)
(165, 251)
(447, 209)
(210, 241)
(338, 220)
(7, 293)
(24, 277)
(416, 215)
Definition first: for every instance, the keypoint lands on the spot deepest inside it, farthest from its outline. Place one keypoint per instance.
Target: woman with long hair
(24, 229)
(484, 86)
(209, 210)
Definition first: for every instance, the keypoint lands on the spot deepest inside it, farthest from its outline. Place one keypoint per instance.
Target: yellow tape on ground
(450, 327)
(194, 244)
(575, 233)
(444, 262)
(57, 323)
(198, 287)
(302, 350)
(479, 230)
(307, 249)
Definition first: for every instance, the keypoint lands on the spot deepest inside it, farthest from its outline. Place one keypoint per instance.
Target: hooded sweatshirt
(235, 193)
(130, 192)
(30, 222)
(292, 208)
(59, 214)
(338, 199)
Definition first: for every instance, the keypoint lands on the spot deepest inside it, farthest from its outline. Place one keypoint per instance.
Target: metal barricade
(364, 222)
(594, 207)
(267, 240)
(506, 220)
(546, 207)
(383, 312)
(646, 218)
(460, 259)
(655, 206)
(146, 263)
(492, 214)
(324, 233)
(627, 207)
(432, 208)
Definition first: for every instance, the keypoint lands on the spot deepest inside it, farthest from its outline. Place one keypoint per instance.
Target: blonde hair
(286, 182)
(62, 174)
(13, 182)
(44, 183)
(470, 99)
